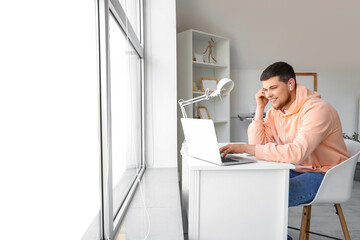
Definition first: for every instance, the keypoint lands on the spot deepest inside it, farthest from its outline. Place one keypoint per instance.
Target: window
(121, 106)
(132, 9)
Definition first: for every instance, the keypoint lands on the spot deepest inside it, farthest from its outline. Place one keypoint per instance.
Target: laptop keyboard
(229, 160)
(235, 159)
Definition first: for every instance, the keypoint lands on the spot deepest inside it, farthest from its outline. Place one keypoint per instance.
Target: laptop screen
(201, 139)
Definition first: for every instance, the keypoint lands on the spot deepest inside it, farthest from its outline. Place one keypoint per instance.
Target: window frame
(109, 224)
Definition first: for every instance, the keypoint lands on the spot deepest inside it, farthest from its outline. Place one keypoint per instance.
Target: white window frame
(110, 224)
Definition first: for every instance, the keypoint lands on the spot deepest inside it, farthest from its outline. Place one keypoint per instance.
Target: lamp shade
(224, 87)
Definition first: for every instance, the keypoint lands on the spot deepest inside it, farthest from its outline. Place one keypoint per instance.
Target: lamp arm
(200, 98)
(193, 100)
(183, 103)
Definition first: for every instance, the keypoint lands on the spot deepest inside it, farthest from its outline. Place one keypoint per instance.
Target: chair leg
(304, 222)
(308, 222)
(342, 221)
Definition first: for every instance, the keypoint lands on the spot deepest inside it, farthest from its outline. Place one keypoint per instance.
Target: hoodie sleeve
(259, 132)
(314, 125)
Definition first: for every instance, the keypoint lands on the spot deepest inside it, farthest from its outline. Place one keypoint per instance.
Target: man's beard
(281, 105)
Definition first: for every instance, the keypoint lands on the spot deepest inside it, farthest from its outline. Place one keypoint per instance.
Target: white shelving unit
(189, 71)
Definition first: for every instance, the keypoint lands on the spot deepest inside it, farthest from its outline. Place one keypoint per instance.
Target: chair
(335, 188)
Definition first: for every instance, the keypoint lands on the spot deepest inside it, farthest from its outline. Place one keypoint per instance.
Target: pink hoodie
(308, 135)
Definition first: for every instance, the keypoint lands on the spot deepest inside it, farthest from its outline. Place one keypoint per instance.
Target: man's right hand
(261, 100)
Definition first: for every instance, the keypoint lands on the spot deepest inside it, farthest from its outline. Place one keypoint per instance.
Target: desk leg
(194, 202)
(285, 176)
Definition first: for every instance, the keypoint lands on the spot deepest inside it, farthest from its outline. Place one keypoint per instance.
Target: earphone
(290, 86)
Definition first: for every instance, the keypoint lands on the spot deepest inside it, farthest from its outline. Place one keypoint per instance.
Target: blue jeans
(303, 187)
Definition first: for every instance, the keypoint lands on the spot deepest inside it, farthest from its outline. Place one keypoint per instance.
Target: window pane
(125, 113)
(132, 11)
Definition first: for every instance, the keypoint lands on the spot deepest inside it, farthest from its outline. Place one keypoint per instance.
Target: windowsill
(122, 187)
(160, 191)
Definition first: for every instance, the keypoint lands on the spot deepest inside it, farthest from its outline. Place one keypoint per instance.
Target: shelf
(224, 121)
(217, 121)
(208, 65)
(198, 93)
(189, 43)
(202, 36)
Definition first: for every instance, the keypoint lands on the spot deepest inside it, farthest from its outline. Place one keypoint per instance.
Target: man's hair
(282, 69)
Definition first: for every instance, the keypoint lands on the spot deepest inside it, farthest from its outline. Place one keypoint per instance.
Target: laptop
(202, 143)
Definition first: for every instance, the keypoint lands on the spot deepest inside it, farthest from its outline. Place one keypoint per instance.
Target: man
(300, 128)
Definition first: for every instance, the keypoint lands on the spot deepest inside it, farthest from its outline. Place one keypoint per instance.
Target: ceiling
(310, 35)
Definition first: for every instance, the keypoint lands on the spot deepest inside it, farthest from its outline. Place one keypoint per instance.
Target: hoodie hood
(303, 95)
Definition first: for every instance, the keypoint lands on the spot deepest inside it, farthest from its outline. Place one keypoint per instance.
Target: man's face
(277, 92)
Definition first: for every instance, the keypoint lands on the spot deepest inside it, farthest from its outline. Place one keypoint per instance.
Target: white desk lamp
(224, 87)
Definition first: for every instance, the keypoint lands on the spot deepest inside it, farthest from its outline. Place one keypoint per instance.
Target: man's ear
(291, 84)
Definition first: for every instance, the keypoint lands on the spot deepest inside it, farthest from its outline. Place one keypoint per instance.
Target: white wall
(160, 74)
(247, 83)
(310, 34)
(49, 148)
(341, 90)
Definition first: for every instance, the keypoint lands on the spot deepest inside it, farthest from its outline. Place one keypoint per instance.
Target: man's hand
(261, 100)
(237, 148)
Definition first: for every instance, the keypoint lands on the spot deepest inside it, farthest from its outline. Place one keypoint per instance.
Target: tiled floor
(324, 219)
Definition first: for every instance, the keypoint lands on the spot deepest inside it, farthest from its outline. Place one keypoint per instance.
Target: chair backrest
(338, 181)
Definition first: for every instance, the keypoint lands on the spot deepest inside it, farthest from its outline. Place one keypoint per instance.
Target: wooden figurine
(210, 48)
(195, 88)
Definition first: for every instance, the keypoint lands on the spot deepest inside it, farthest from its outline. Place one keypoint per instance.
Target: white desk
(248, 201)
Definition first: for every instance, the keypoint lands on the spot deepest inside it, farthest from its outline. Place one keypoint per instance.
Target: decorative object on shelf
(223, 88)
(208, 83)
(203, 112)
(195, 88)
(210, 48)
(354, 137)
(307, 79)
(248, 116)
(198, 57)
